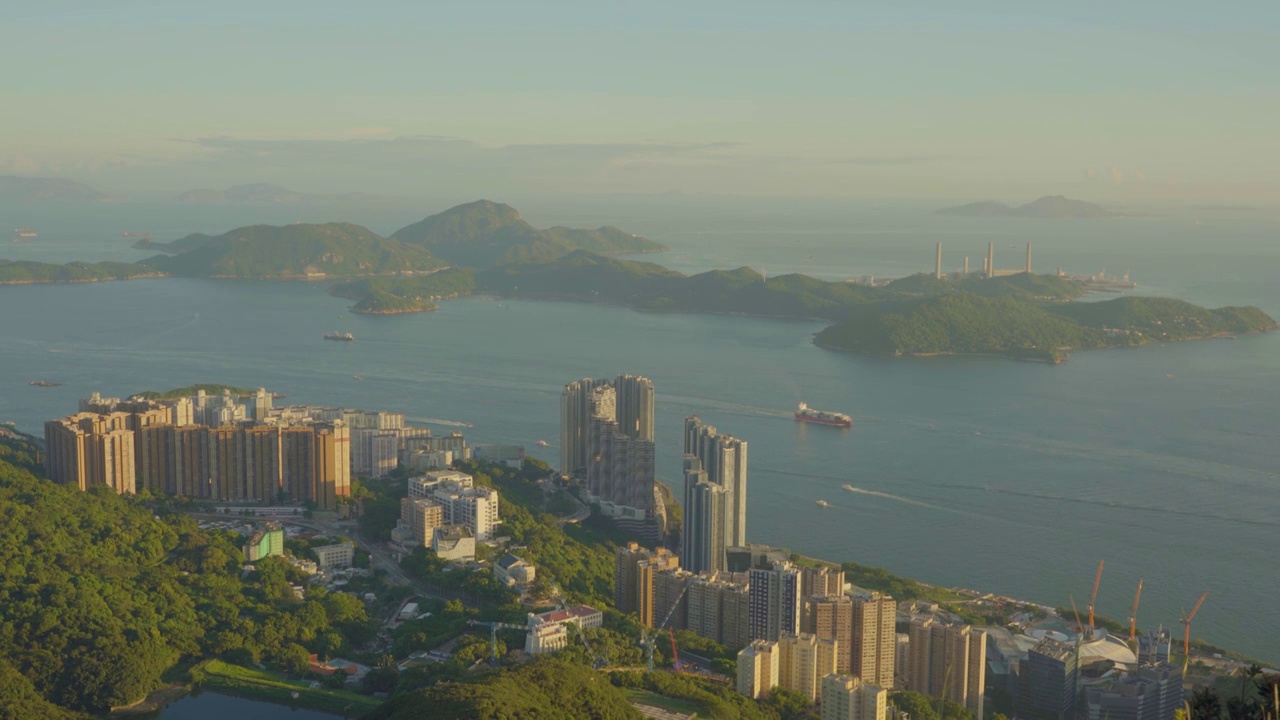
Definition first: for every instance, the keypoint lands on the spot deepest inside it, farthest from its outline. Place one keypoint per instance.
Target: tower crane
(1133, 614)
(494, 627)
(1186, 627)
(647, 639)
(597, 661)
(1093, 597)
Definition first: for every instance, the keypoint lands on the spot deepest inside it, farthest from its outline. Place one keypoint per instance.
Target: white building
(464, 504)
(510, 455)
(550, 631)
(335, 556)
(454, 543)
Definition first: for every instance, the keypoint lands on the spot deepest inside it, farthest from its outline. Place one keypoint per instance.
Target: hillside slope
(485, 234)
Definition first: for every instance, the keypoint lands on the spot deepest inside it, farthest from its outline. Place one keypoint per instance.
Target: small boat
(543, 443)
(339, 336)
(823, 503)
(849, 487)
(44, 383)
(356, 377)
(24, 234)
(468, 424)
(136, 235)
(278, 396)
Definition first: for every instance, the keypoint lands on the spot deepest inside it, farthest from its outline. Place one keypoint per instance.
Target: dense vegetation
(965, 323)
(548, 688)
(484, 234)
(295, 251)
(191, 390)
(391, 295)
(99, 596)
(23, 272)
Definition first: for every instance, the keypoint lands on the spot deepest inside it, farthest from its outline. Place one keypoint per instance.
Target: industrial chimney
(937, 265)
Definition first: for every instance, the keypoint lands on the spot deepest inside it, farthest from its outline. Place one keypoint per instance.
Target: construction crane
(1133, 613)
(1093, 597)
(494, 627)
(648, 639)
(597, 661)
(1079, 625)
(1186, 625)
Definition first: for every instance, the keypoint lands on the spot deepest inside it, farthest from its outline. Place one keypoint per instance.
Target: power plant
(988, 264)
(1100, 282)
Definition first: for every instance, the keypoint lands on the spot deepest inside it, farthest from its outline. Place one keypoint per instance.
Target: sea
(974, 472)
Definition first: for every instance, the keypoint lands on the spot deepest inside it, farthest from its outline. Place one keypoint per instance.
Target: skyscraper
(803, 660)
(1048, 685)
(775, 601)
(830, 617)
(758, 668)
(724, 460)
(707, 524)
(606, 436)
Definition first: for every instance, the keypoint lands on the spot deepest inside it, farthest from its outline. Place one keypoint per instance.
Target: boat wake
(438, 421)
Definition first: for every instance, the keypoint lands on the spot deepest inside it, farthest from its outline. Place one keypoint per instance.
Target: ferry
(44, 383)
(804, 413)
(823, 503)
(24, 234)
(849, 487)
(543, 443)
(340, 336)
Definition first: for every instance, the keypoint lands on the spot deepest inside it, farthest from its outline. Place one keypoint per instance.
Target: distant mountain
(1055, 207)
(15, 189)
(331, 250)
(262, 193)
(487, 234)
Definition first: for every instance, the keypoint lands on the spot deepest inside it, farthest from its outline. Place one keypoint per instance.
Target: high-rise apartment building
(464, 504)
(670, 598)
(821, 580)
(774, 601)
(724, 460)
(873, 656)
(845, 697)
(419, 517)
(606, 437)
(708, 527)
(948, 661)
(720, 609)
(758, 668)
(634, 570)
(830, 617)
(803, 660)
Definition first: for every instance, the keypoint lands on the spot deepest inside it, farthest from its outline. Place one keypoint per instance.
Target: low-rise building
(329, 557)
(511, 570)
(454, 543)
(549, 631)
(264, 543)
(511, 456)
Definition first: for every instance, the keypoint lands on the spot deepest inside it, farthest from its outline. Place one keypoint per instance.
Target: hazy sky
(1127, 100)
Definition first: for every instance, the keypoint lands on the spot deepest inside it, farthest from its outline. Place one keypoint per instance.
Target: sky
(1124, 101)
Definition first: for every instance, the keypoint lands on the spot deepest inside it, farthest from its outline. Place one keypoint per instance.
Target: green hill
(296, 251)
(548, 688)
(1161, 319)
(484, 234)
(395, 295)
(24, 272)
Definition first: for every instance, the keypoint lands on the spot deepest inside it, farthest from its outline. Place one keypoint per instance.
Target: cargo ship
(342, 337)
(24, 234)
(804, 413)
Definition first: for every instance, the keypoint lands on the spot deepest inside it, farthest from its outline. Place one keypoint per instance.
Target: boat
(543, 443)
(356, 377)
(470, 425)
(823, 503)
(44, 383)
(136, 235)
(340, 336)
(804, 413)
(849, 487)
(24, 234)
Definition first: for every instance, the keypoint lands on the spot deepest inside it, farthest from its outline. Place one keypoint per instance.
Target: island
(484, 234)
(1052, 207)
(26, 272)
(19, 190)
(1022, 315)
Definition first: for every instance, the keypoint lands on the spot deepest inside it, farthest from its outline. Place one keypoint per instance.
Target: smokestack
(991, 260)
(937, 266)
(966, 265)
(1028, 258)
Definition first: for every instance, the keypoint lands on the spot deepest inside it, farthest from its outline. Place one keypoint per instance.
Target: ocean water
(978, 472)
(215, 706)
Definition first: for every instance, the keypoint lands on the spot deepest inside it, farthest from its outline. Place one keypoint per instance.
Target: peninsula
(1051, 207)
